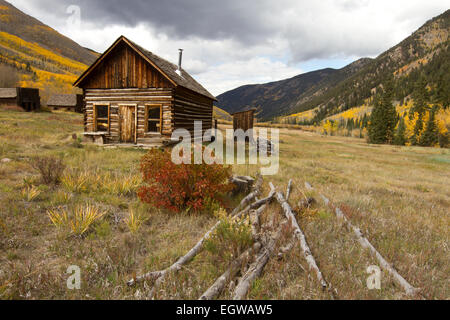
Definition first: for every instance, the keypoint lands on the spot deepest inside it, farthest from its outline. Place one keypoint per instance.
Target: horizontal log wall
(140, 97)
(189, 107)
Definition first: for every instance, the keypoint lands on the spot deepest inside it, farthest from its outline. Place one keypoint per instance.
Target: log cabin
(70, 102)
(26, 99)
(132, 96)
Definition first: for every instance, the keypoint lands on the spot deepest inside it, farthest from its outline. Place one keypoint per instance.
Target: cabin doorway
(127, 115)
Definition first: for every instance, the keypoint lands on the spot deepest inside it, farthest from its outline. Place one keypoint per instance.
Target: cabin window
(153, 118)
(101, 118)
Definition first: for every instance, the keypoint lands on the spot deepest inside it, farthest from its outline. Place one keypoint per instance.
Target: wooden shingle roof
(8, 93)
(63, 100)
(167, 68)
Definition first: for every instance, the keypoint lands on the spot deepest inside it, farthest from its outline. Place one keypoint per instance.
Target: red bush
(178, 187)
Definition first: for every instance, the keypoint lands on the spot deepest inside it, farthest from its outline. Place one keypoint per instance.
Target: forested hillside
(273, 99)
(39, 55)
(423, 54)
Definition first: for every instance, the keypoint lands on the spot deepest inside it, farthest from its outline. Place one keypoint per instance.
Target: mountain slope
(278, 97)
(346, 88)
(17, 23)
(40, 56)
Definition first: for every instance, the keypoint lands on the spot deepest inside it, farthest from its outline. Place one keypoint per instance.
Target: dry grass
(398, 196)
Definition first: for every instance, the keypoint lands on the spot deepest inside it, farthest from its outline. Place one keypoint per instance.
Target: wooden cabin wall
(124, 68)
(28, 99)
(140, 97)
(189, 107)
(244, 120)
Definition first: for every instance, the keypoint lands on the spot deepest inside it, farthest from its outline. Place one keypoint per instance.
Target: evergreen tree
(430, 137)
(420, 96)
(400, 138)
(383, 119)
(417, 130)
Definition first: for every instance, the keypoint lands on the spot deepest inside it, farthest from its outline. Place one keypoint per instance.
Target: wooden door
(128, 124)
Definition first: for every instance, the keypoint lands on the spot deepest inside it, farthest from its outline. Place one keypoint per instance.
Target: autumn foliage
(181, 187)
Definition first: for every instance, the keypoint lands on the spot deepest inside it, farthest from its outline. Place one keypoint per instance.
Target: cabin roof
(8, 93)
(167, 68)
(245, 111)
(63, 100)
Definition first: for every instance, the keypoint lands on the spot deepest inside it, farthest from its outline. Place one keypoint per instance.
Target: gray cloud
(269, 39)
(212, 19)
(312, 29)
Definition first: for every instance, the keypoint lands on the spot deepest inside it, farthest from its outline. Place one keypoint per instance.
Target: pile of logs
(365, 243)
(268, 232)
(247, 267)
(242, 184)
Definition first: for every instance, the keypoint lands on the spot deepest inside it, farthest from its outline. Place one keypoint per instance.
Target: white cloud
(235, 42)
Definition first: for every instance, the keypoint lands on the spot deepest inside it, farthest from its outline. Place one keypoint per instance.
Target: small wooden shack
(70, 102)
(244, 120)
(27, 99)
(133, 96)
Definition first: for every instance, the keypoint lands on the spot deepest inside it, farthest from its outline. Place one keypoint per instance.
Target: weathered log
(288, 191)
(300, 236)
(240, 185)
(264, 201)
(256, 205)
(256, 268)
(250, 197)
(254, 220)
(216, 289)
(220, 283)
(160, 275)
(365, 243)
(302, 205)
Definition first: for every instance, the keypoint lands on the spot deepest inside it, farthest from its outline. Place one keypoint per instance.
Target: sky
(236, 42)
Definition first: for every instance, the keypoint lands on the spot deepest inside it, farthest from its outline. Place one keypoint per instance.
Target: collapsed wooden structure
(267, 237)
(27, 99)
(256, 257)
(69, 102)
(133, 96)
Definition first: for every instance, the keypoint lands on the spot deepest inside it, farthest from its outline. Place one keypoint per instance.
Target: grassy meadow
(398, 196)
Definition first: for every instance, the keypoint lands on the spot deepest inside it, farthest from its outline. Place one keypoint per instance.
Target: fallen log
(256, 205)
(300, 236)
(254, 220)
(302, 205)
(218, 286)
(250, 197)
(216, 289)
(242, 184)
(365, 243)
(256, 268)
(288, 191)
(160, 275)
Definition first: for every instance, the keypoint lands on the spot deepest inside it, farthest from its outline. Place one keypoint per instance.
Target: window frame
(108, 119)
(147, 108)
